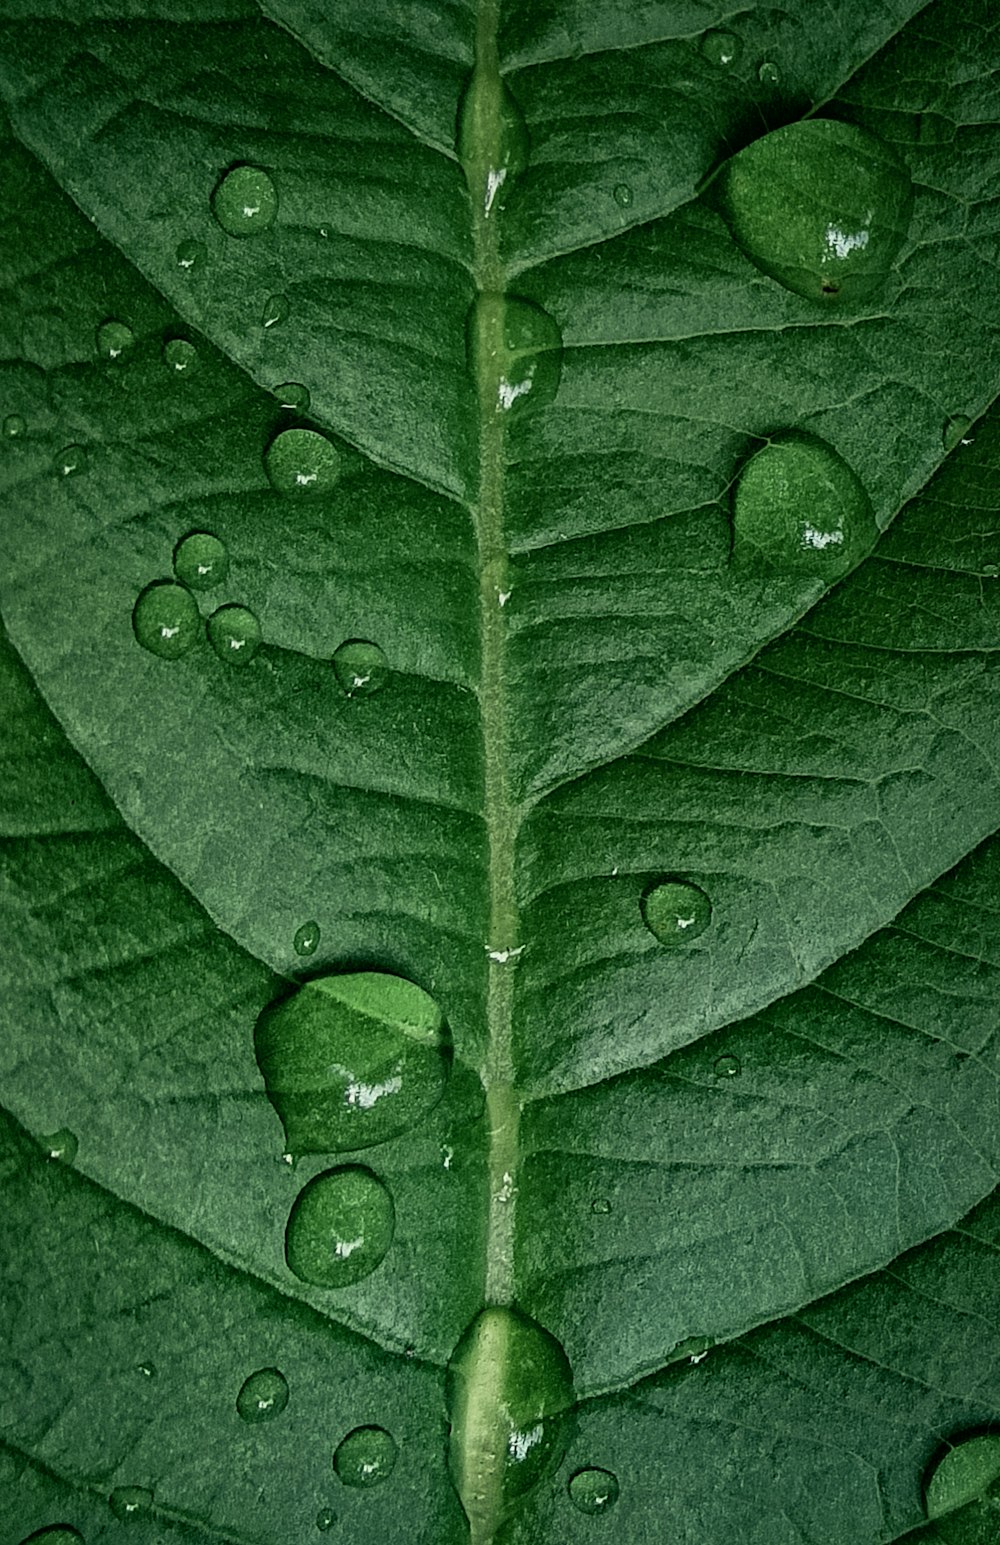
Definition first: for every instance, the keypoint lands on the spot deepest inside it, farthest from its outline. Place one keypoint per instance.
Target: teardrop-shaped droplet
(262, 1396)
(509, 1391)
(366, 1456)
(190, 254)
(349, 1061)
(54, 1534)
(245, 201)
(956, 430)
(306, 940)
(515, 352)
(360, 667)
(493, 143)
(114, 339)
(340, 1227)
(593, 1490)
(721, 48)
(962, 1473)
(293, 395)
(72, 461)
(821, 206)
(130, 1502)
(675, 911)
(276, 309)
(14, 426)
(799, 507)
(770, 75)
(234, 633)
(180, 356)
(61, 1145)
(302, 461)
(166, 620)
(727, 1066)
(201, 561)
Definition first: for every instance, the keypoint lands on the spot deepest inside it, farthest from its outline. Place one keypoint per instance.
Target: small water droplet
(60, 1145)
(180, 356)
(302, 461)
(601, 1205)
(245, 201)
(962, 1473)
(201, 561)
(190, 254)
(593, 1490)
(727, 1066)
(54, 1534)
(991, 570)
(234, 633)
(166, 620)
(956, 430)
(799, 507)
(130, 1502)
(351, 1060)
(623, 195)
(306, 939)
(340, 1227)
(293, 395)
(721, 47)
(72, 461)
(360, 667)
(148, 1370)
(114, 339)
(493, 144)
(366, 1457)
(276, 309)
(263, 1395)
(675, 911)
(14, 426)
(769, 74)
(325, 1518)
(514, 349)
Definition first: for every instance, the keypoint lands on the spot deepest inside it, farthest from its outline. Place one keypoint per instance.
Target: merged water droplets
(675, 911)
(235, 634)
(798, 506)
(962, 1473)
(114, 339)
(130, 1502)
(514, 351)
(166, 620)
(262, 1396)
(245, 201)
(593, 1490)
(201, 561)
(366, 1457)
(360, 667)
(340, 1227)
(302, 461)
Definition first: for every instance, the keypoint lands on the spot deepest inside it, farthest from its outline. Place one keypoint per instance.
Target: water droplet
(623, 195)
(325, 1518)
(956, 430)
(72, 461)
(366, 1457)
(360, 667)
(114, 339)
(245, 201)
(166, 620)
(769, 74)
(601, 1205)
(148, 1370)
(234, 633)
(181, 356)
(593, 1490)
(820, 206)
(675, 911)
(798, 506)
(130, 1502)
(302, 461)
(14, 426)
(493, 144)
(340, 1227)
(276, 309)
(727, 1066)
(54, 1534)
(201, 561)
(60, 1145)
(262, 1396)
(514, 351)
(190, 254)
(509, 1390)
(962, 1473)
(991, 570)
(351, 1060)
(306, 939)
(293, 395)
(721, 47)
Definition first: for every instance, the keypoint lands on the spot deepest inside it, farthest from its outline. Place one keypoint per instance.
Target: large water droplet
(820, 206)
(262, 1396)
(201, 561)
(302, 461)
(130, 1502)
(340, 1227)
(962, 1473)
(798, 506)
(514, 351)
(60, 1145)
(351, 1060)
(493, 144)
(593, 1490)
(675, 911)
(276, 309)
(180, 356)
(956, 430)
(509, 1390)
(14, 426)
(306, 939)
(114, 339)
(166, 620)
(360, 667)
(72, 461)
(721, 47)
(190, 254)
(54, 1534)
(366, 1457)
(293, 395)
(234, 633)
(245, 201)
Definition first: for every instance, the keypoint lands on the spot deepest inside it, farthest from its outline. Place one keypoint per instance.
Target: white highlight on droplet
(508, 392)
(840, 244)
(812, 537)
(364, 1096)
(502, 956)
(346, 1247)
(304, 478)
(503, 596)
(494, 182)
(520, 1444)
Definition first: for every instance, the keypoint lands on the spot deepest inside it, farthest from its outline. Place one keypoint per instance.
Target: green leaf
(501, 815)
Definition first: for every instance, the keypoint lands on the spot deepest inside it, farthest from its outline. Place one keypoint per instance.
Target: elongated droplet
(130, 1502)
(340, 1227)
(201, 561)
(262, 1396)
(675, 911)
(823, 207)
(306, 939)
(721, 48)
(54, 1534)
(61, 1145)
(166, 620)
(962, 1473)
(360, 667)
(190, 254)
(245, 201)
(956, 430)
(509, 1391)
(180, 356)
(293, 395)
(514, 351)
(798, 506)
(276, 309)
(302, 461)
(366, 1456)
(72, 461)
(14, 426)
(593, 1490)
(234, 633)
(349, 1061)
(493, 143)
(114, 339)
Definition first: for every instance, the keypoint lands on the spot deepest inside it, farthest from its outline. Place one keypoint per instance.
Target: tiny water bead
(201, 561)
(798, 506)
(727, 1066)
(71, 461)
(306, 940)
(245, 201)
(302, 461)
(234, 633)
(294, 396)
(351, 1060)
(14, 426)
(190, 254)
(769, 73)
(114, 339)
(721, 47)
(340, 1227)
(956, 430)
(130, 1502)
(675, 911)
(593, 1490)
(262, 1396)
(821, 206)
(276, 309)
(962, 1473)
(180, 356)
(62, 1145)
(147, 1370)
(514, 350)
(360, 667)
(366, 1456)
(601, 1205)
(166, 620)
(325, 1518)
(623, 195)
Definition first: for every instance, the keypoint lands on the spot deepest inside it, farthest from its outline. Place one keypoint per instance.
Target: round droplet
(190, 254)
(72, 461)
(820, 206)
(234, 633)
(340, 1227)
(601, 1205)
(294, 396)
(276, 309)
(201, 561)
(262, 1396)
(798, 506)
(14, 426)
(306, 939)
(302, 461)
(962, 1473)
(360, 667)
(623, 195)
(325, 1518)
(956, 430)
(180, 356)
(245, 201)
(366, 1457)
(60, 1145)
(675, 911)
(349, 1061)
(54, 1534)
(727, 1066)
(114, 339)
(166, 620)
(130, 1502)
(514, 350)
(593, 1490)
(721, 47)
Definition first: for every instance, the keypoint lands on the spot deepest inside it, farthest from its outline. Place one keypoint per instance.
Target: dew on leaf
(190, 254)
(71, 461)
(962, 1473)
(306, 940)
(769, 73)
(514, 350)
(130, 1502)
(489, 116)
(360, 667)
(366, 1456)
(166, 620)
(201, 560)
(245, 201)
(14, 426)
(340, 1227)
(54, 1534)
(991, 570)
(623, 195)
(721, 47)
(148, 1370)
(325, 1518)
(675, 911)
(263, 1395)
(601, 1205)
(60, 1145)
(276, 309)
(593, 1490)
(114, 339)
(234, 633)
(293, 395)
(180, 356)
(302, 461)
(798, 506)
(727, 1066)
(956, 431)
